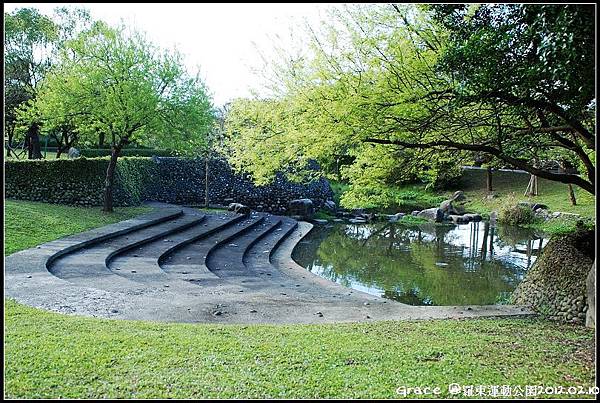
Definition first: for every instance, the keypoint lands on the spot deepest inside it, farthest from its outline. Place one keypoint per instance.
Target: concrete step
(193, 256)
(88, 266)
(146, 263)
(229, 255)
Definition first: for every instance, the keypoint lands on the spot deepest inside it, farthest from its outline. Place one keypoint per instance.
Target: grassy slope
(52, 355)
(510, 187)
(28, 224)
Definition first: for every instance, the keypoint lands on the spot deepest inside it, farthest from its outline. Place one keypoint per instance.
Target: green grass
(49, 355)
(50, 155)
(28, 224)
(510, 188)
(52, 355)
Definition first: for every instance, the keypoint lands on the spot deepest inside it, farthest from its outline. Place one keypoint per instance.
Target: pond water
(470, 264)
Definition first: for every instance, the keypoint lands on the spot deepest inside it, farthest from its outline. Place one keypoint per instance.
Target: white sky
(220, 39)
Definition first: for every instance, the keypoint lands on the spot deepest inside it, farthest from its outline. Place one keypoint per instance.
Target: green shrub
(77, 181)
(516, 215)
(126, 152)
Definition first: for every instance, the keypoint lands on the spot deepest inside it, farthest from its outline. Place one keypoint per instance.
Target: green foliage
(121, 85)
(401, 93)
(516, 215)
(76, 181)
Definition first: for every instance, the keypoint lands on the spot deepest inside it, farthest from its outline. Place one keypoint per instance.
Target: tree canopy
(117, 83)
(406, 92)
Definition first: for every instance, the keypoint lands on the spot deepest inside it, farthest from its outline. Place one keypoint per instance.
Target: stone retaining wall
(171, 180)
(556, 284)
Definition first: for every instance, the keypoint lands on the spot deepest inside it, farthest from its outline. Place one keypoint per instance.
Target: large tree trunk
(33, 143)
(110, 179)
(590, 316)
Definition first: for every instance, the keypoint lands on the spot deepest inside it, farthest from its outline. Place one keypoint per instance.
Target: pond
(428, 264)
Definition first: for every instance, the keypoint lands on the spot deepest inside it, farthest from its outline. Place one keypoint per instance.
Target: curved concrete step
(73, 243)
(146, 262)
(231, 252)
(88, 266)
(194, 255)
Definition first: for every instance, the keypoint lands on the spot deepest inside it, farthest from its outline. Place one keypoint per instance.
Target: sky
(219, 39)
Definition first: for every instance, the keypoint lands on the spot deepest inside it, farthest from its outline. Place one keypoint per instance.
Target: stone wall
(182, 181)
(556, 284)
(172, 180)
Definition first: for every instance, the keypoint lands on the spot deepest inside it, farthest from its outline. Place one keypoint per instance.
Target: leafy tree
(410, 90)
(32, 41)
(121, 85)
(28, 36)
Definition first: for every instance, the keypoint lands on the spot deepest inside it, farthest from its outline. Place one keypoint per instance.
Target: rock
(415, 213)
(302, 208)
(537, 206)
(73, 153)
(396, 217)
(330, 206)
(562, 214)
(454, 205)
(432, 214)
(473, 217)
(493, 217)
(459, 219)
(320, 221)
(357, 212)
(239, 208)
(358, 221)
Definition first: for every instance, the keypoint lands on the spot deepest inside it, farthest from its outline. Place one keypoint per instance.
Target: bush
(126, 152)
(77, 181)
(516, 215)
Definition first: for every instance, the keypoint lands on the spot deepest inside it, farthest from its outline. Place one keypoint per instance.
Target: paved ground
(179, 264)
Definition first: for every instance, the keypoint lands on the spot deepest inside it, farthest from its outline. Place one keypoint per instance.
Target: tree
(121, 85)
(28, 37)
(414, 89)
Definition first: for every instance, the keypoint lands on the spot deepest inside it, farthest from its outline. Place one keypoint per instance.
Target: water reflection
(428, 264)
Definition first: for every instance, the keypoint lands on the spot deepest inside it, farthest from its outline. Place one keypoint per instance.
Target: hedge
(77, 181)
(126, 152)
(80, 181)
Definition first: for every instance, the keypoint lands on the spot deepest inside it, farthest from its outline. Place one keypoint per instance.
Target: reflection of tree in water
(426, 264)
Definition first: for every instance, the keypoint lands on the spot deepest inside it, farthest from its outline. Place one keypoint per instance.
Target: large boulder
(454, 205)
(432, 214)
(73, 153)
(302, 209)
(330, 206)
(238, 208)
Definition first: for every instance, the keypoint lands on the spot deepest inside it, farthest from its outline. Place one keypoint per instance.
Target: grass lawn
(51, 355)
(27, 224)
(510, 188)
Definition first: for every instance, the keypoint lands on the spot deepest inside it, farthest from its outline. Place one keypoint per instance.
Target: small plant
(517, 215)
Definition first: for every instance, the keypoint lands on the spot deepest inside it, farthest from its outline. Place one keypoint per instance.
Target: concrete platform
(179, 264)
